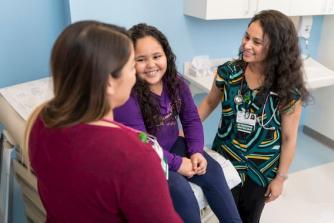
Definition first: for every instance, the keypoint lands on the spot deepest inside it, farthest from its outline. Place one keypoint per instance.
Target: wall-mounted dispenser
(305, 26)
(304, 31)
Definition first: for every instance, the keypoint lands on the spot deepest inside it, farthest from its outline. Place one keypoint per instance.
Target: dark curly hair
(283, 64)
(149, 107)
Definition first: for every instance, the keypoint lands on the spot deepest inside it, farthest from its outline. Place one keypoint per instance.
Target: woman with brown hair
(90, 168)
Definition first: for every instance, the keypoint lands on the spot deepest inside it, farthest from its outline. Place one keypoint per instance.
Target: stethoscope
(238, 100)
(264, 125)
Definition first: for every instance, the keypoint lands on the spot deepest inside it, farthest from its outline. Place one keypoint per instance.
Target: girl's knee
(180, 190)
(214, 175)
(214, 169)
(178, 184)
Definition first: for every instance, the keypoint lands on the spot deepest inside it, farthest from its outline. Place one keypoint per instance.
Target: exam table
(14, 126)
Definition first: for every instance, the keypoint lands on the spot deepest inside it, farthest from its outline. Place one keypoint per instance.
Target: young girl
(261, 96)
(160, 96)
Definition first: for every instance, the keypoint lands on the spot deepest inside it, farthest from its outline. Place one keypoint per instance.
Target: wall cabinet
(234, 9)
(219, 9)
(280, 5)
(318, 7)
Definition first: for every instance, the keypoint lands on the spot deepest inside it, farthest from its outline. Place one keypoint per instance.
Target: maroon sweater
(89, 173)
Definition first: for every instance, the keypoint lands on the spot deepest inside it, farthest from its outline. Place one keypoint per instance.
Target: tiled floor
(308, 197)
(308, 194)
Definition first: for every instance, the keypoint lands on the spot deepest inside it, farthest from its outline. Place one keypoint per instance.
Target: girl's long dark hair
(149, 107)
(283, 64)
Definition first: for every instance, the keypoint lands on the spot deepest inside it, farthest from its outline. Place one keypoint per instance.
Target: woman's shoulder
(295, 97)
(131, 144)
(123, 139)
(230, 70)
(116, 149)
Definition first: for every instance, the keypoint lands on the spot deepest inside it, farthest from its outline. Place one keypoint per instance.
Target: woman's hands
(195, 165)
(274, 189)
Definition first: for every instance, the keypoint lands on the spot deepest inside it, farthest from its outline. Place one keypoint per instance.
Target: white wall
(188, 36)
(320, 116)
(326, 44)
(28, 30)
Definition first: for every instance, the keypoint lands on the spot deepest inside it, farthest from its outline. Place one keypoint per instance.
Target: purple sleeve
(174, 161)
(190, 120)
(130, 115)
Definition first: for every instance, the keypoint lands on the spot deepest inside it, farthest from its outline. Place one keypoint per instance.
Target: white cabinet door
(220, 9)
(238, 9)
(329, 7)
(308, 7)
(231, 9)
(280, 5)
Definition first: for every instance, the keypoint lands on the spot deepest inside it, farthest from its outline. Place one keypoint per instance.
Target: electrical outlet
(305, 26)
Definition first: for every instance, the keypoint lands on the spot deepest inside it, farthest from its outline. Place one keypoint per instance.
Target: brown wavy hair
(149, 107)
(82, 58)
(283, 67)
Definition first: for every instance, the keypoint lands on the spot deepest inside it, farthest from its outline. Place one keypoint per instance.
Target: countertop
(316, 76)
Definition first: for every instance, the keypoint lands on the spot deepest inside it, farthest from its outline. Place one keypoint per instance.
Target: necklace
(239, 98)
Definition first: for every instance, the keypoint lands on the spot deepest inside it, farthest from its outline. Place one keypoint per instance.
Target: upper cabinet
(235, 9)
(318, 7)
(280, 5)
(220, 9)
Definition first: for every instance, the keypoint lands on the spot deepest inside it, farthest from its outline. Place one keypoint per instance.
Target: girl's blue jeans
(214, 187)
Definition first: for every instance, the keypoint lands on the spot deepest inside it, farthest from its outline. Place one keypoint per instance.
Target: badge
(246, 121)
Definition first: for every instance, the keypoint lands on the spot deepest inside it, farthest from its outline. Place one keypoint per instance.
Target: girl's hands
(186, 168)
(199, 163)
(195, 165)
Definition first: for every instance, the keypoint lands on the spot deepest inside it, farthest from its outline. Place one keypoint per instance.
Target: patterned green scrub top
(256, 153)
